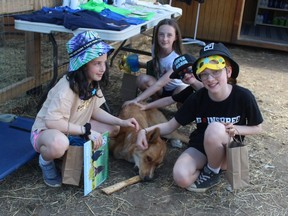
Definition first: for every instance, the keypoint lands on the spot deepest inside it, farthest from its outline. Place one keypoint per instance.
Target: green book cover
(95, 164)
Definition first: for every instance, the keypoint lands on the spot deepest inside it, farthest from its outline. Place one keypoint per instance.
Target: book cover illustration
(95, 164)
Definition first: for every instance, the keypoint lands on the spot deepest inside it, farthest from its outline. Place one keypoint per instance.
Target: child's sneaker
(50, 175)
(176, 143)
(206, 180)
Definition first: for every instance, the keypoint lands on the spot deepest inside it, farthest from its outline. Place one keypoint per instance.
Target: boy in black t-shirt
(182, 69)
(220, 110)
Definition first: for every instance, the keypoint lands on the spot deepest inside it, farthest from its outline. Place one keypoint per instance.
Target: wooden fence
(34, 76)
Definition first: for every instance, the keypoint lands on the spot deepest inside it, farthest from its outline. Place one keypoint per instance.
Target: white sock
(215, 170)
(42, 161)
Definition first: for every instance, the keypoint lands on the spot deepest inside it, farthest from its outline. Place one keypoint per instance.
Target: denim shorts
(76, 140)
(33, 138)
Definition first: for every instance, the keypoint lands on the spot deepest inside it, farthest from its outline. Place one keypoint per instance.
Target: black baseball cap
(217, 49)
(180, 63)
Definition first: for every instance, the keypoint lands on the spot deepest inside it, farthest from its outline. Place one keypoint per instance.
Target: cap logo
(180, 61)
(209, 47)
(85, 46)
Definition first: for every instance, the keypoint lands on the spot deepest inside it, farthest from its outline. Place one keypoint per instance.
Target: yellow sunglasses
(215, 62)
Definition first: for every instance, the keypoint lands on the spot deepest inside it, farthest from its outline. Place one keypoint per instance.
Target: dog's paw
(176, 143)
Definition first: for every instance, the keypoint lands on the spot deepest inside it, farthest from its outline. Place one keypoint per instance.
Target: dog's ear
(153, 135)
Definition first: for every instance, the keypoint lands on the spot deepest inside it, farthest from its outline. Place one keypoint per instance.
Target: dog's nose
(147, 178)
(136, 170)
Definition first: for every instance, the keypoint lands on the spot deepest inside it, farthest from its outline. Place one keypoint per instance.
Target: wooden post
(33, 56)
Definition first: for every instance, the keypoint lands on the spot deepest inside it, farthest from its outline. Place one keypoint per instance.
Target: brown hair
(232, 81)
(177, 45)
(79, 84)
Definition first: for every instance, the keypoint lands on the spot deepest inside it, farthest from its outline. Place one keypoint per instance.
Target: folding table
(162, 12)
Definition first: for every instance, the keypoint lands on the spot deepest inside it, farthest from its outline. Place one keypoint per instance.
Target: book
(95, 164)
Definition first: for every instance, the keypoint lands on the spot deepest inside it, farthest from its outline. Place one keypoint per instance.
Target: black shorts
(197, 141)
(166, 93)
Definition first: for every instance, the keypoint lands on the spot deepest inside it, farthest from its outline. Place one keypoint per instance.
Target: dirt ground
(264, 72)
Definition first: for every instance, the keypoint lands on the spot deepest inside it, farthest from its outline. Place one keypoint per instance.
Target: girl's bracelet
(87, 128)
(145, 130)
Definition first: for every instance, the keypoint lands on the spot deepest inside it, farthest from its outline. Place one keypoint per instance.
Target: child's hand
(230, 129)
(142, 106)
(96, 138)
(134, 101)
(131, 122)
(142, 140)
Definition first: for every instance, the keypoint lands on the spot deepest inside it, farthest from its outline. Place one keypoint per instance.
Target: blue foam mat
(15, 146)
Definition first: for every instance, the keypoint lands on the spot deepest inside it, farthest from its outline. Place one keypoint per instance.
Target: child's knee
(214, 130)
(144, 81)
(57, 146)
(181, 177)
(215, 126)
(114, 131)
(140, 80)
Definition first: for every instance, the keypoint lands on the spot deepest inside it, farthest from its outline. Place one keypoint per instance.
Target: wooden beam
(27, 84)
(237, 24)
(16, 6)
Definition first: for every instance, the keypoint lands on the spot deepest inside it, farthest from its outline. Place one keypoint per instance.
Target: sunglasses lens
(215, 74)
(183, 72)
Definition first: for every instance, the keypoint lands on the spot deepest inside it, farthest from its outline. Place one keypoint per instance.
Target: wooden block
(113, 188)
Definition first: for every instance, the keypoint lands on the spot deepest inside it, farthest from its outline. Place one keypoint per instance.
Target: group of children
(202, 88)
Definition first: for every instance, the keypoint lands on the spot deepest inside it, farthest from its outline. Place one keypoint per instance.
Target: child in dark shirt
(221, 111)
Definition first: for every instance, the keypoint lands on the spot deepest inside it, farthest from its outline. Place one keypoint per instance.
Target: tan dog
(123, 146)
